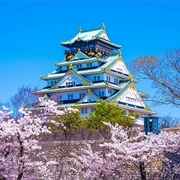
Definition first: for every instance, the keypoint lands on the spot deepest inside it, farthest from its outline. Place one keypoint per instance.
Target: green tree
(72, 122)
(108, 112)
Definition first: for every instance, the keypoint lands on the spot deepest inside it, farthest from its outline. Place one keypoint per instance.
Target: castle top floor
(93, 42)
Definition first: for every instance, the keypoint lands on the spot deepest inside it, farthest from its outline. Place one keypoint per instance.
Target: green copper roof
(89, 35)
(143, 95)
(124, 87)
(106, 67)
(85, 36)
(82, 61)
(111, 61)
(74, 88)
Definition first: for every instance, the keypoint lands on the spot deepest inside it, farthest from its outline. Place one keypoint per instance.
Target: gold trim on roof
(130, 77)
(121, 59)
(69, 73)
(132, 87)
(55, 87)
(146, 108)
(70, 66)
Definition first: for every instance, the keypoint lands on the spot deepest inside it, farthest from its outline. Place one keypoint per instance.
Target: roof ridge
(80, 76)
(120, 91)
(90, 30)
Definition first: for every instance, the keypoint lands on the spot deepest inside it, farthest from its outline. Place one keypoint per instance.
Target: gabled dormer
(90, 97)
(72, 78)
(79, 56)
(129, 96)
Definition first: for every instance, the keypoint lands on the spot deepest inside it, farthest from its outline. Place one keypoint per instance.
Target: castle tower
(92, 70)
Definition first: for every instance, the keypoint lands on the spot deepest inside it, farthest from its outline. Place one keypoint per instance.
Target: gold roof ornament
(103, 26)
(130, 77)
(132, 87)
(121, 59)
(80, 29)
(69, 73)
(84, 84)
(45, 95)
(146, 108)
(70, 66)
(88, 94)
(116, 101)
(79, 50)
(55, 87)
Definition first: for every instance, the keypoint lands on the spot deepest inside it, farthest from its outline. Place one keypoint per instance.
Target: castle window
(70, 96)
(130, 99)
(84, 110)
(109, 91)
(98, 78)
(79, 66)
(94, 78)
(115, 81)
(102, 93)
(70, 83)
(81, 95)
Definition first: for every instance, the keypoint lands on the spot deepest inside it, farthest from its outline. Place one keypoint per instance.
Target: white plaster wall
(64, 95)
(54, 82)
(121, 67)
(130, 93)
(111, 78)
(91, 77)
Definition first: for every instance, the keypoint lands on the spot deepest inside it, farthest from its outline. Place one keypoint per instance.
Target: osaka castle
(93, 70)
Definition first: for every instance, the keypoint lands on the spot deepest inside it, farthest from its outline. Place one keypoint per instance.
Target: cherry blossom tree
(21, 155)
(129, 154)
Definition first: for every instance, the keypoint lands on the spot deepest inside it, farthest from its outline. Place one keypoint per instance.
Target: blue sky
(30, 33)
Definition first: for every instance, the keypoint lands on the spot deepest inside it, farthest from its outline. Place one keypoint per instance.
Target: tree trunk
(142, 171)
(20, 176)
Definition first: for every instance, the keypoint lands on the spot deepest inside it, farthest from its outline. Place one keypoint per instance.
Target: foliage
(72, 121)
(165, 74)
(21, 156)
(108, 112)
(130, 156)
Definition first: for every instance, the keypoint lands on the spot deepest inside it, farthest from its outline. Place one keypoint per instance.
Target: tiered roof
(113, 65)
